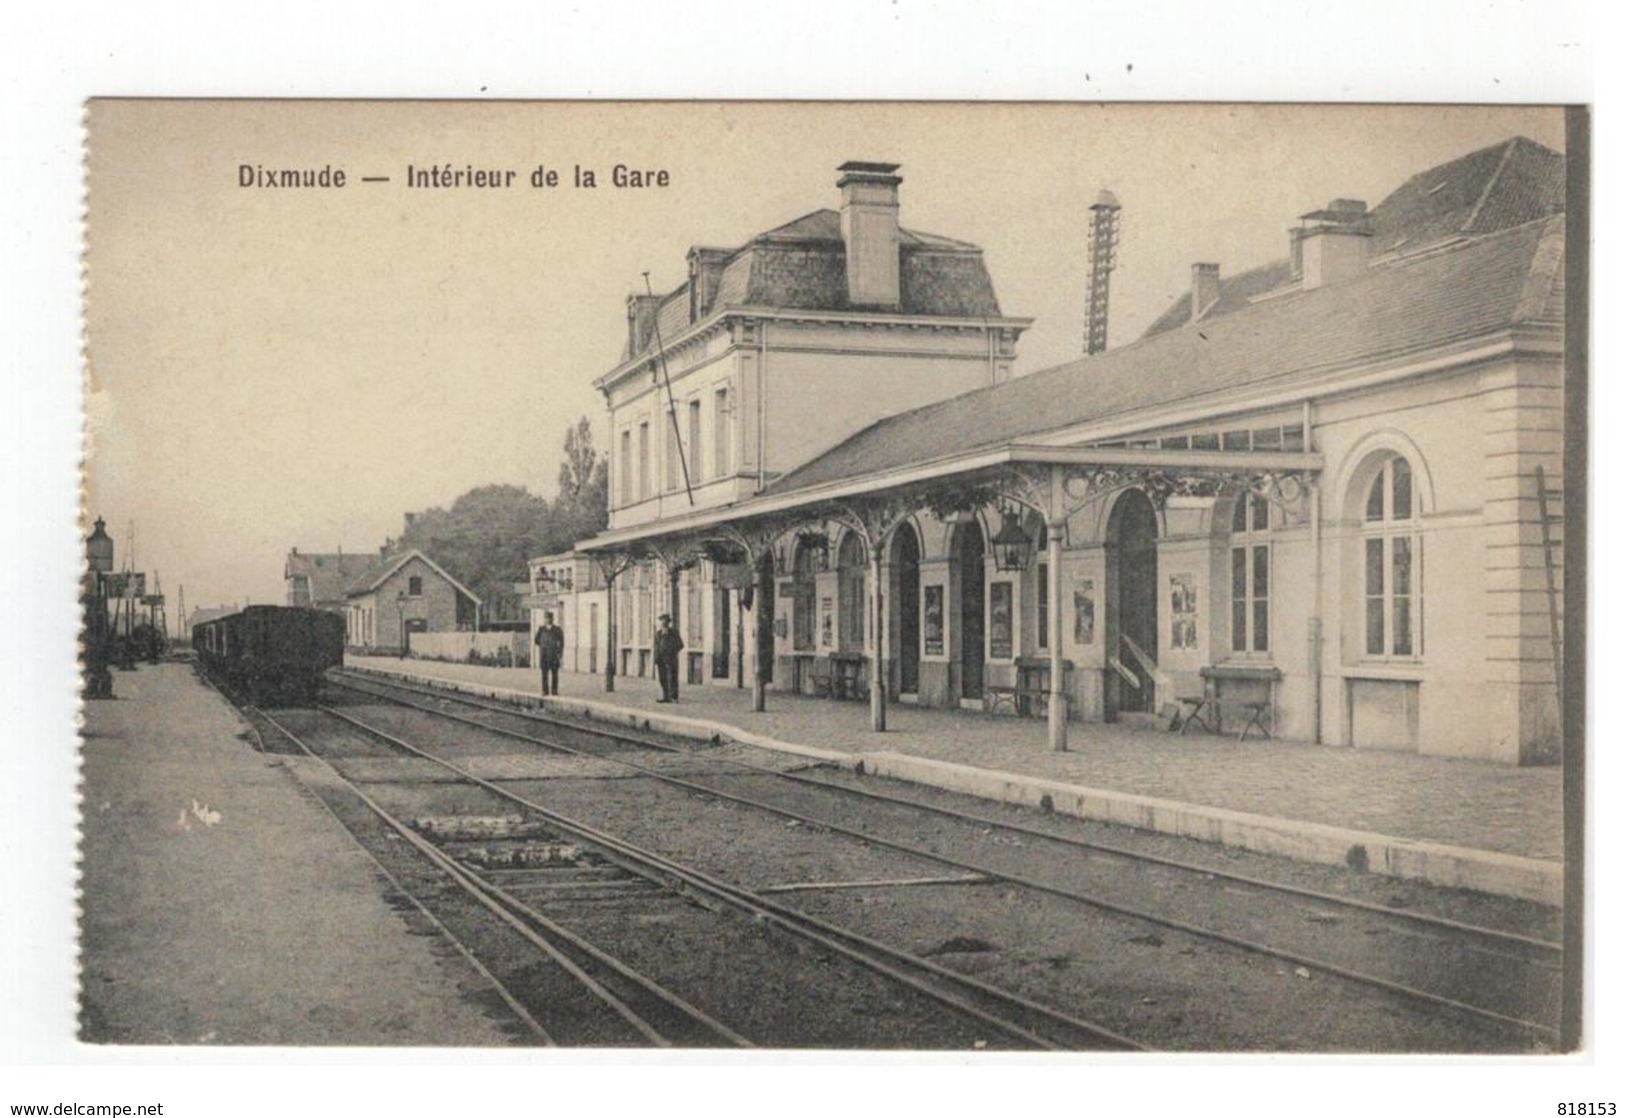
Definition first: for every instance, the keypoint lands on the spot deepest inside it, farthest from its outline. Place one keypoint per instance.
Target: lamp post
(400, 618)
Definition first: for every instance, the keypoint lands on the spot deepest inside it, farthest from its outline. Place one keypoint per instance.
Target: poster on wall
(1083, 612)
(1000, 635)
(1182, 609)
(932, 632)
(827, 625)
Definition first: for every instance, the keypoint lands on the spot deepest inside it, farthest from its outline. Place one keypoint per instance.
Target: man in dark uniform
(549, 653)
(668, 645)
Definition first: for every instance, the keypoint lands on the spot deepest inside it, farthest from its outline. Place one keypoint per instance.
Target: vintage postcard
(951, 577)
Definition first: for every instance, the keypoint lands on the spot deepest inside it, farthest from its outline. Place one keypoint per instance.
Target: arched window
(1250, 575)
(852, 563)
(1393, 564)
(804, 595)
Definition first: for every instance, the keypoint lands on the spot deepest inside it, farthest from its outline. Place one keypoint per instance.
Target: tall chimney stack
(869, 226)
(1333, 243)
(1204, 288)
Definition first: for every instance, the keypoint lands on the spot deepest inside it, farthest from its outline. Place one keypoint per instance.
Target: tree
(484, 540)
(582, 506)
(487, 537)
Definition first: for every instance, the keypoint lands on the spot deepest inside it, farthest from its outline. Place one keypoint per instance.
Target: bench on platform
(1213, 703)
(1197, 709)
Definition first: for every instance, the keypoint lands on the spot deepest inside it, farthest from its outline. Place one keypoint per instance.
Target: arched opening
(969, 557)
(905, 619)
(804, 596)
(852, 566)
(1131, 605)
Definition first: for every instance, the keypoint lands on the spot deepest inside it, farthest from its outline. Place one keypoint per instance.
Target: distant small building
(324, 581)
(203, 614)
(402, 595)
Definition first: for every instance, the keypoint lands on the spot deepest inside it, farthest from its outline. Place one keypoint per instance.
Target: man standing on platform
(549, 653)
(667, 647)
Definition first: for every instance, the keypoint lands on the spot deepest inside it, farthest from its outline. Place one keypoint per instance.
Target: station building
(1325, 495)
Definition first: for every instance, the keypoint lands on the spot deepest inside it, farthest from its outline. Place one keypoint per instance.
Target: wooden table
(1212, 700)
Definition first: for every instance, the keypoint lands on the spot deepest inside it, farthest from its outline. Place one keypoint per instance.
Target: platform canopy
(1053, 482)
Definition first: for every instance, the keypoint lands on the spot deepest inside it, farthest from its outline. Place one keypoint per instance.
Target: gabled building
(402, 595)
(1323, 498)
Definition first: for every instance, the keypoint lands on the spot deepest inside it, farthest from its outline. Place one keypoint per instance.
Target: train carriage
(271, 654)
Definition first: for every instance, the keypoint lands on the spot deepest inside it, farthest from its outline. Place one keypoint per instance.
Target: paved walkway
(251, 920)
(1473, 804)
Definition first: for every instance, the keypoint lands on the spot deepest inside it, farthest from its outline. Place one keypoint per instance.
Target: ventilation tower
(1103, 228)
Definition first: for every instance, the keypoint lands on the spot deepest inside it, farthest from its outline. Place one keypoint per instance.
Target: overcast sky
(281, 368)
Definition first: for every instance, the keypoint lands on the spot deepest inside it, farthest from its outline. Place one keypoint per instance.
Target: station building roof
(1411, 305)
(1495, 188)
(801, 265)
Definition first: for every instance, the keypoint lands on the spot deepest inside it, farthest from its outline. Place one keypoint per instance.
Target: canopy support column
(612, 565)
(877, 626)
(755, 543)
(1055, 528)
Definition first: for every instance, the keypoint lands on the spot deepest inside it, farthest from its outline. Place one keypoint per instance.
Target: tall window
(626, 467)
(721, 432)
(804, 595)
(696, 461)
(1393, 564)
(414, 586)
(851, 565)
(1250, 575)
(674, 450)
(644, 480)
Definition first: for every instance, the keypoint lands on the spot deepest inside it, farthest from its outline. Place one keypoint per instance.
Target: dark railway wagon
(271, 654)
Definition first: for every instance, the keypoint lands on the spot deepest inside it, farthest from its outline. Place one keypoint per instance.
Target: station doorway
(906, 569)
(1131, 606)
(970, 554)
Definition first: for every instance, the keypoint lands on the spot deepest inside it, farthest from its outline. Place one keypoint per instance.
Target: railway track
(1503, 978)
(995, 1018)
(654, 1014)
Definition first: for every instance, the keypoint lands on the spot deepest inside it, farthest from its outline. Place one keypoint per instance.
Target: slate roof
(1499, 187)
(1235, 292)
(801, 265)
(387, 567)
(332, 576)
(1409, 305)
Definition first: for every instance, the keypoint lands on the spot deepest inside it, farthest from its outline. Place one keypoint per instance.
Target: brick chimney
(1333, 243)
(869, 227)
(640, 321)
(1204, 288)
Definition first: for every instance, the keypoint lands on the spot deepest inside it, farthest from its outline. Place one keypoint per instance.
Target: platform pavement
(266, 926)
(1475, 824)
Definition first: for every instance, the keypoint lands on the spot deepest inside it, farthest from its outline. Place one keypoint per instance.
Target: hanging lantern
(1012, 547)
